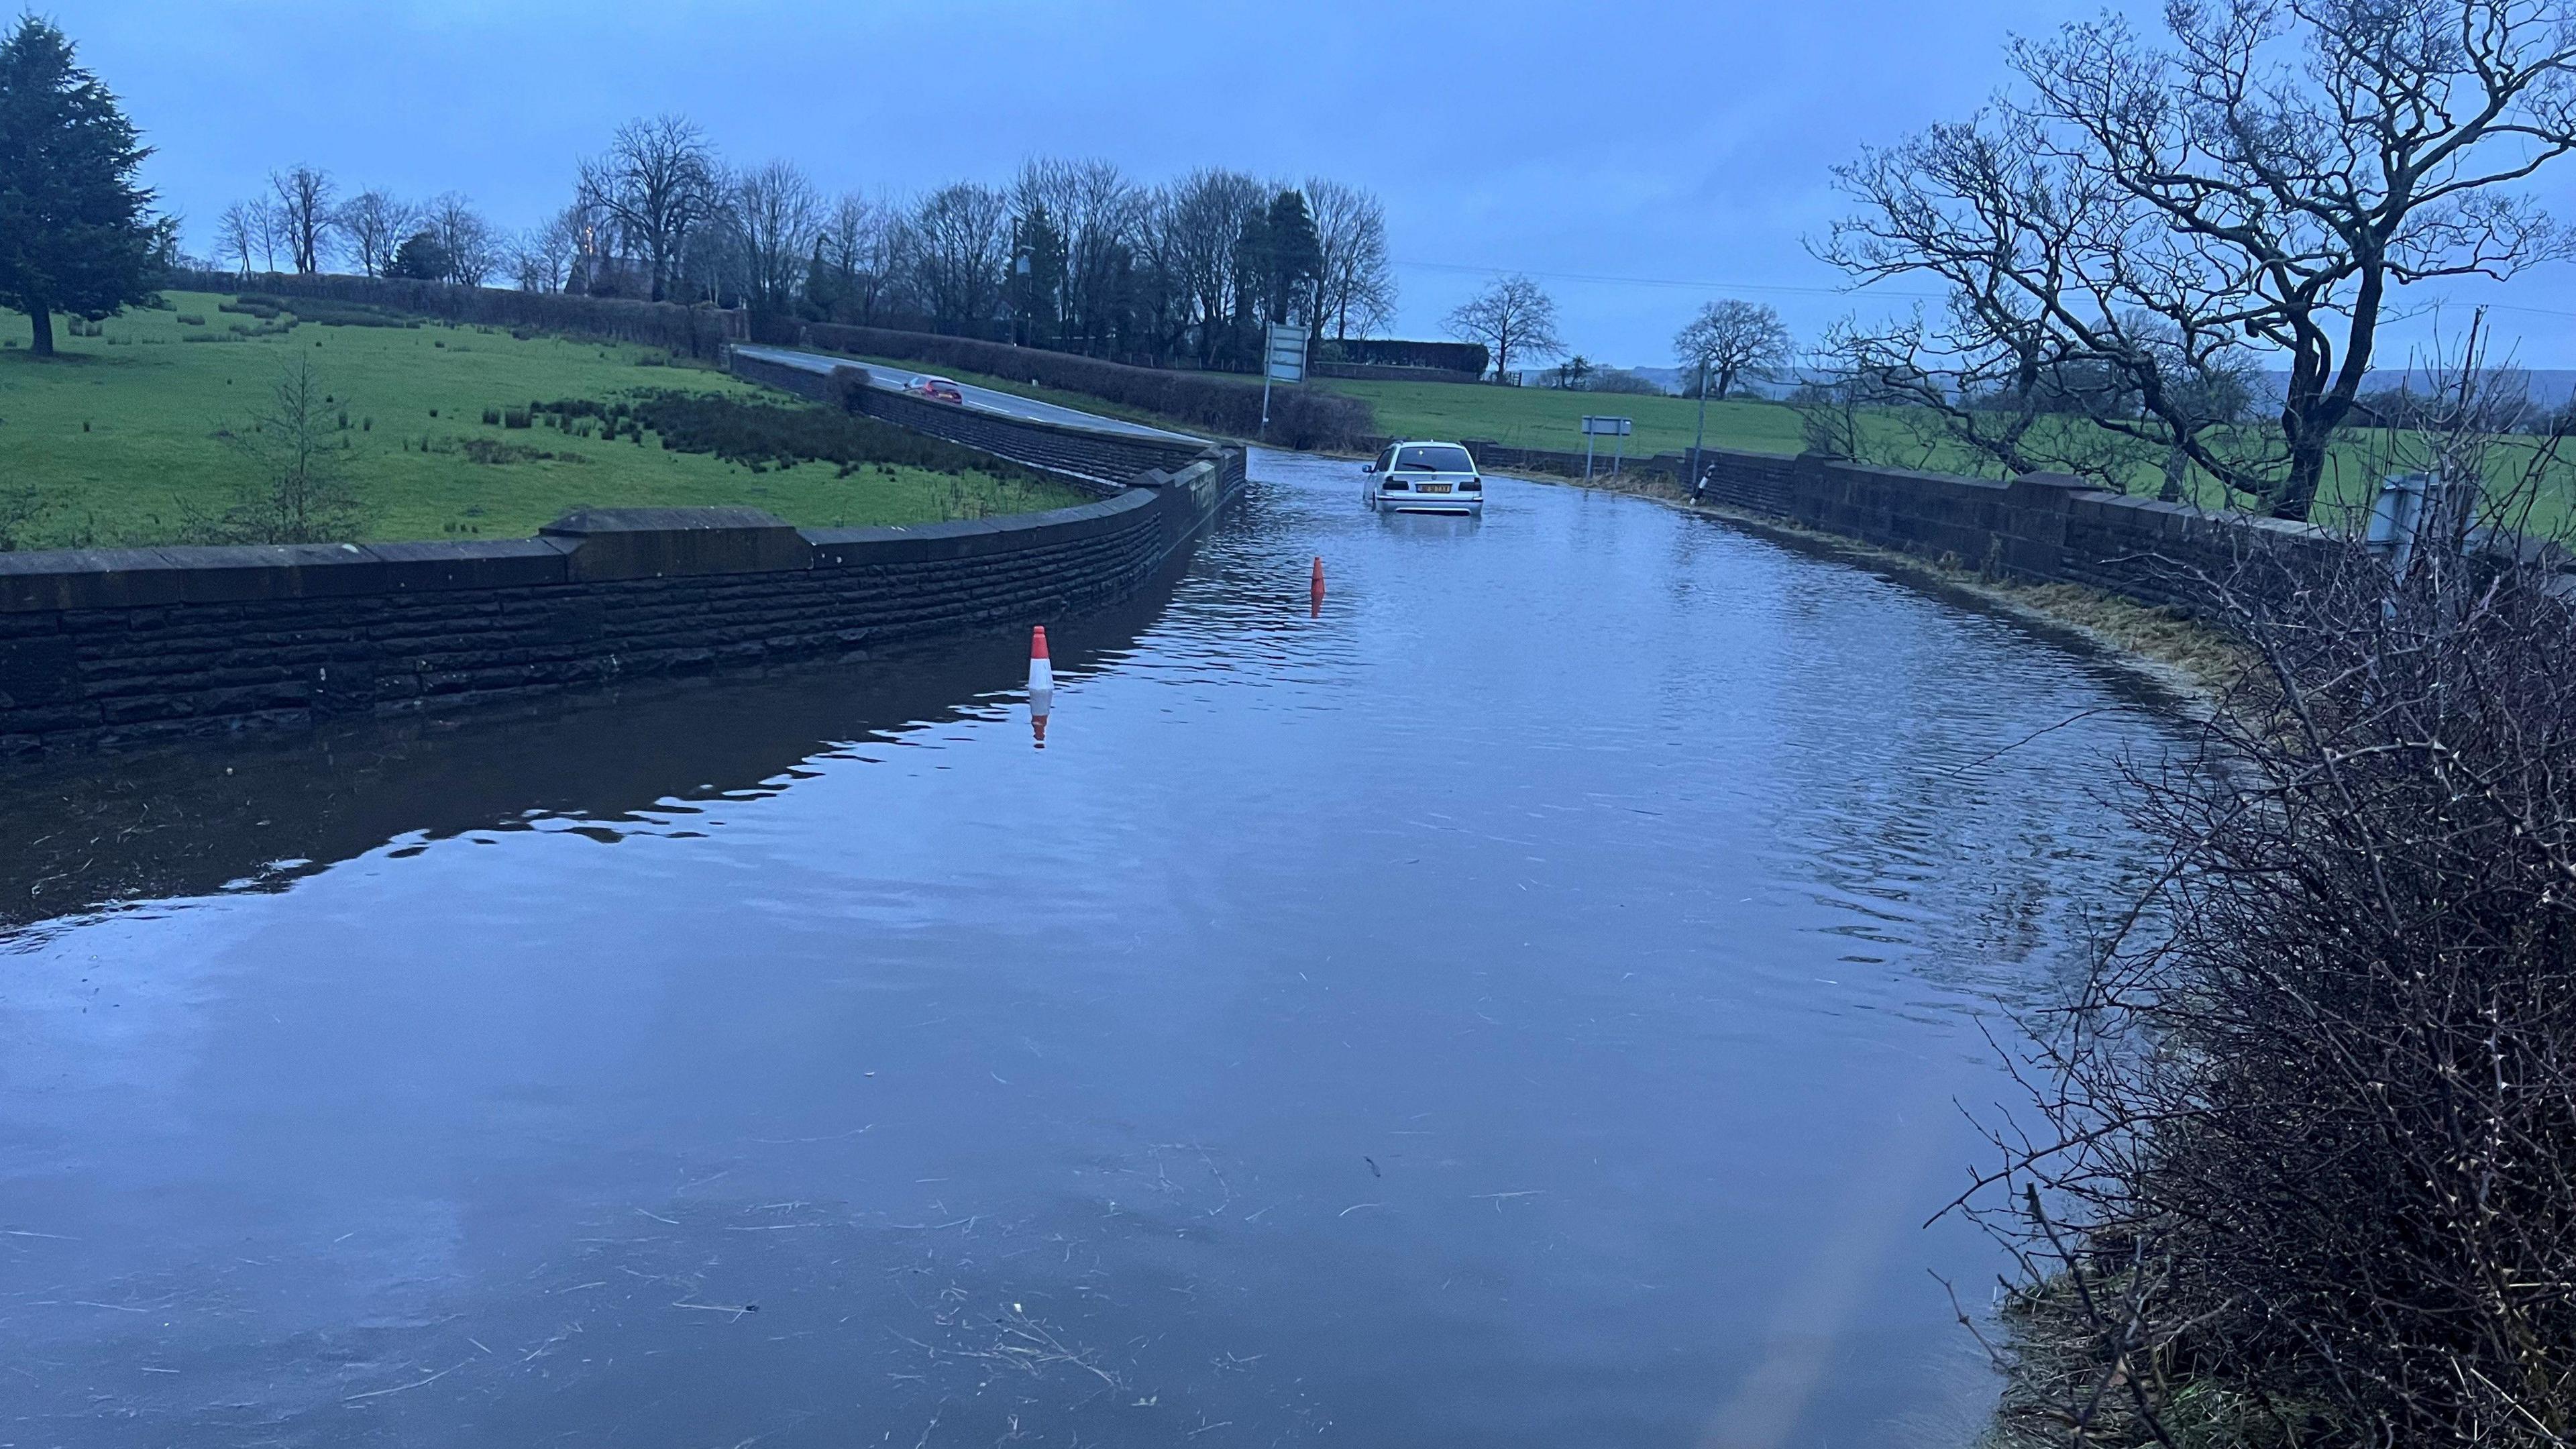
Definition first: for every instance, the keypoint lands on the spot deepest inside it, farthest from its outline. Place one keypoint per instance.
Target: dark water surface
(1522, 1006)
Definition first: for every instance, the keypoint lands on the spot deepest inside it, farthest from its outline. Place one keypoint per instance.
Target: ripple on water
(1523, 1004)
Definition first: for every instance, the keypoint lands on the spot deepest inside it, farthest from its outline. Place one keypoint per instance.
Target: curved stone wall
(112, 648)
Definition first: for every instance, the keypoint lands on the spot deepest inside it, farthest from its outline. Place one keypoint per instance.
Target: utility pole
(1701, 435)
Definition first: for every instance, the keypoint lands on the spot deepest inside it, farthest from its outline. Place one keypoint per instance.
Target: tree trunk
(41, 316)
(1725, 382)
(2297, 496)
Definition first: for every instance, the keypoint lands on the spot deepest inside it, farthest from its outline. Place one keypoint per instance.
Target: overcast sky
(1637, 157)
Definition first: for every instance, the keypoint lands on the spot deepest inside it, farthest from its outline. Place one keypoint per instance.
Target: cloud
(1660, 139)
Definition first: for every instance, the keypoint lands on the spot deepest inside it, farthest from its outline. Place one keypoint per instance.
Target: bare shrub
(299, 491)
(2303, 1170)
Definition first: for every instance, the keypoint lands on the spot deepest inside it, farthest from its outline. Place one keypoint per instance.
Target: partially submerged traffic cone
(1041, 684)
(1315, 604)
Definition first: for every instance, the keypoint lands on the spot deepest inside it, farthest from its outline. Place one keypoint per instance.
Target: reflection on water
(1521, 1000)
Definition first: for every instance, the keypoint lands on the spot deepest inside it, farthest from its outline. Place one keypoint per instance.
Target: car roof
(1425, 443)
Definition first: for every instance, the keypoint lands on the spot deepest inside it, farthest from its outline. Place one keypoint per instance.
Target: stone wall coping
(592, 545)
(582, 522)
(1847, 467)
(654, 543)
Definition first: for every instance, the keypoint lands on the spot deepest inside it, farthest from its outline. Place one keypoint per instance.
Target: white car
(1422, 476)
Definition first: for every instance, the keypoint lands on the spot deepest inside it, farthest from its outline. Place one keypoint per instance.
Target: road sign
(1287, 353)
(1599, 427)
(1286, 363)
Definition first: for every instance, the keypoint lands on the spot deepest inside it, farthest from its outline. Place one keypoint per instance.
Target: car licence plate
(1431, 488)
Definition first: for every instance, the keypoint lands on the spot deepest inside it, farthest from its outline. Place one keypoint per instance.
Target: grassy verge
(118, 439)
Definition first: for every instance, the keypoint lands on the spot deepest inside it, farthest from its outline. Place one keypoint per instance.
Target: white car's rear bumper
(1451, 503)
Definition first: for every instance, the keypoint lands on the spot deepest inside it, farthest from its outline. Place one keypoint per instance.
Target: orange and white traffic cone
(1041, 684)
(1315, 603)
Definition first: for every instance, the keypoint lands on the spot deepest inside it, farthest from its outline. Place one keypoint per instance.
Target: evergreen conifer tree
(75, 231)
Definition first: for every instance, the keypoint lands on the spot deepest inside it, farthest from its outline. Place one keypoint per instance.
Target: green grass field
(118, 434)
(1531, 417)
(1546, 417)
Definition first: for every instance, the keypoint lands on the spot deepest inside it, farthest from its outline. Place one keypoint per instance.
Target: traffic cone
(1315, 604)
(1041, 684)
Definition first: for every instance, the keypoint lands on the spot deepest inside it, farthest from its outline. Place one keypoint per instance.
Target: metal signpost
(2397, 516)
(1699, 435)
(1287, 363)
(1616, 429)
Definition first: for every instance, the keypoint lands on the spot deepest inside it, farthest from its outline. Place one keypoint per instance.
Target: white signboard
(1607, 427)
(1287, 353)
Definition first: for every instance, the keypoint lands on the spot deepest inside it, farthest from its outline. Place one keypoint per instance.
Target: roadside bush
(1300, 417)
(1621, 380)
(697, 332)
(2306, 1169)
(493, 453)
(322, 311)
(19, 509)
(1468, 357)
(764, 435)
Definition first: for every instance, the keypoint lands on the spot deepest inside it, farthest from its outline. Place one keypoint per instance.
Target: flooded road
(1527, 1004)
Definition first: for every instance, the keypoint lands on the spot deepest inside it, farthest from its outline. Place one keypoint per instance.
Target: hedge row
(690, 331)
(762, 435)
(1299, 417)
(1398, 352)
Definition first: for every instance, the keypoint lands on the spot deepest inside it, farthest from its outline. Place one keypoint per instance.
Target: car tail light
(1394, 484)
(1472, 485)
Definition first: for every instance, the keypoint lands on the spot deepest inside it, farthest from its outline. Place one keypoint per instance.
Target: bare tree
(1096, 212)
(856, 256)
(1512, 315)
(961, 239)
(237, 234)
(657, 184)
(777, 218)
(1202, 220)
(300, 491)
(305, 213)
(473, 249)
(2271, 174)
(1732, 339)
(541, 258)
(1355, 283)
(595, 242)
(268, 231)
(375, 222)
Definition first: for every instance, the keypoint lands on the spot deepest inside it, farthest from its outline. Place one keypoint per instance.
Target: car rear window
(1434, 460)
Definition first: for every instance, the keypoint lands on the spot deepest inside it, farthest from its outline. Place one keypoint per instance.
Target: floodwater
(1531, 1003)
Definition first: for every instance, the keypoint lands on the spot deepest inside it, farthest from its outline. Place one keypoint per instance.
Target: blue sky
(1638, 157)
